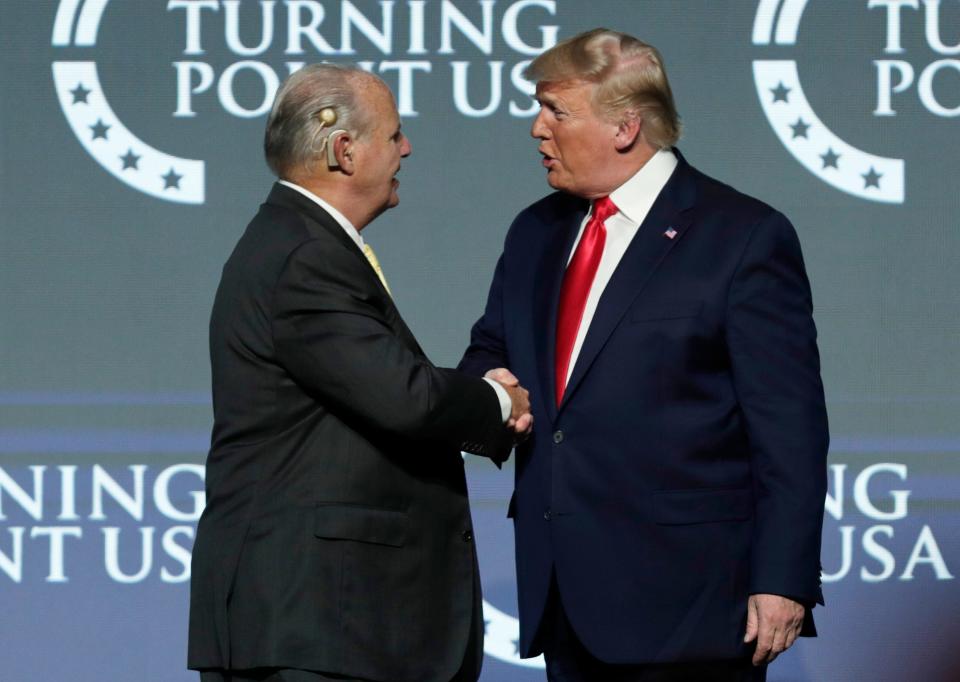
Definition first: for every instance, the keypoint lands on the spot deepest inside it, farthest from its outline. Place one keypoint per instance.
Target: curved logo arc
(820, 150)
(98, 129)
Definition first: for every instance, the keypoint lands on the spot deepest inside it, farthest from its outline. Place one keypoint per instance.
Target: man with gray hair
(668, 506)
(336, 543)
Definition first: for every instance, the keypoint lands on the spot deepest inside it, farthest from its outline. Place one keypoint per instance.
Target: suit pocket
(361, 524)
(677, 310)
(680, 507)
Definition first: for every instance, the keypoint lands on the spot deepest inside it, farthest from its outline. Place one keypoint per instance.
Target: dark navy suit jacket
(686, 467)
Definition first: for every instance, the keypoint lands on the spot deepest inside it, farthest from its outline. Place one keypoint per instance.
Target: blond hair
(629, 74)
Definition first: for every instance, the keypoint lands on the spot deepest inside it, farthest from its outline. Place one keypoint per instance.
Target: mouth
(547, 161)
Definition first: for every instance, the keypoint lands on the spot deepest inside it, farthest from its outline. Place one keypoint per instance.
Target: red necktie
(576, 287)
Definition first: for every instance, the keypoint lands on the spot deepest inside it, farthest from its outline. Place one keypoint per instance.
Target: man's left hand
(775, 623)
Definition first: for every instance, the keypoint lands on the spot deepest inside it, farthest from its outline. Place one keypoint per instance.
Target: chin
(554, 180)
(555, 183)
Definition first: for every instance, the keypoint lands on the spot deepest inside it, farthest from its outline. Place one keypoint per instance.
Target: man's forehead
(376, 93)
(380, 100)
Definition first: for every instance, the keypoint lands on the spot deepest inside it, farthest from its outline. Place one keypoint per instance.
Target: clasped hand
(521, 421)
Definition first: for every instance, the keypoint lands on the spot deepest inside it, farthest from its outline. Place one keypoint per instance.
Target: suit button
(558, 437)
(547, 514)
(467, 535)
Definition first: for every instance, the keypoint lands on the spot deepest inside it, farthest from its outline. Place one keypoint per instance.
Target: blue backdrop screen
(130, 162)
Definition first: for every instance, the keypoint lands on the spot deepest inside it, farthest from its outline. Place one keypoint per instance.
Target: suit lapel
(650, 246)
(561, 233)
(320, 223)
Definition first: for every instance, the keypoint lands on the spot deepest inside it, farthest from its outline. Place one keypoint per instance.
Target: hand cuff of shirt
(506, 405)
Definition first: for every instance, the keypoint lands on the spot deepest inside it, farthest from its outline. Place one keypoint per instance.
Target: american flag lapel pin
(670, 233)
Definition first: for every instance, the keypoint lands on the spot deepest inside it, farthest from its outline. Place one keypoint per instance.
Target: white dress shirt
(634, 198)
(506, 405)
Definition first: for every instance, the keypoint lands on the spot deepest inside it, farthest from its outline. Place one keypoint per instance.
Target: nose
(539, 129)
(405, 147)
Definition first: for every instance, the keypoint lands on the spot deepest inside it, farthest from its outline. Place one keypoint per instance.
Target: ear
(341, 146)
(629, 132)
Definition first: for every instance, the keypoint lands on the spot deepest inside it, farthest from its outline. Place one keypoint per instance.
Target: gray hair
(295, 136)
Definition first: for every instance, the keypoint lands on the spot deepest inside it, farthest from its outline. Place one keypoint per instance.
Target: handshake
(521, 421)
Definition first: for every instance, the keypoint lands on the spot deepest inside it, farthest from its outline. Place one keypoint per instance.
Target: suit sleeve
(332, 338)
(776, 370)
(487, 349)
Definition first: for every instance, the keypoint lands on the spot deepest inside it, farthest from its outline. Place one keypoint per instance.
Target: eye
(555, 110)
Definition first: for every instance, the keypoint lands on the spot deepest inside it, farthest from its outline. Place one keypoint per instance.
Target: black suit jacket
(685, 468)
(337, 535)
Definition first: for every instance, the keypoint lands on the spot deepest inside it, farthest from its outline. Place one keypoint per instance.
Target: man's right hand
(521, 420)
(521, 405)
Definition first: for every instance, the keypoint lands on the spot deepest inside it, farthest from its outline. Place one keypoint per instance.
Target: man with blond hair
(668, 507)
(336, 543)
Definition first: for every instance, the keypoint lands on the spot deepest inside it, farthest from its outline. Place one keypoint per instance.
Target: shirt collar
(635, 197)
(341, 219)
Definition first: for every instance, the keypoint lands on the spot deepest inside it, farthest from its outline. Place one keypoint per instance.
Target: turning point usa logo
(414, 40)
(899, 75)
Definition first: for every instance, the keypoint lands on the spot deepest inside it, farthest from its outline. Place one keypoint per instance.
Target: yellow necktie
(375, 264)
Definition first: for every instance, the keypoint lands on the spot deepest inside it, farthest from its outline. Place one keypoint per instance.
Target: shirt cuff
(506, 405)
